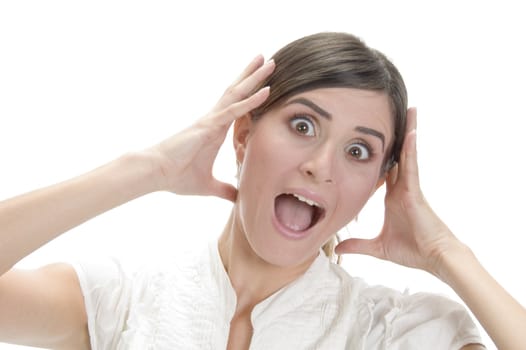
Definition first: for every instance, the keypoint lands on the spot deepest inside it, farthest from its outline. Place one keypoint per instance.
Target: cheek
(259, 171)
(354, 194)
(265, 156)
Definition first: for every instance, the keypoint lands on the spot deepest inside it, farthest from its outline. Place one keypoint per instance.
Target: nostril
(311, 174)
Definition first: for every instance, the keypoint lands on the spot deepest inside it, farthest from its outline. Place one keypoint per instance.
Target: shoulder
(409, 320)
(104, 271)
(405, 320)
(122, 302)
(404, 308)
(382, 299)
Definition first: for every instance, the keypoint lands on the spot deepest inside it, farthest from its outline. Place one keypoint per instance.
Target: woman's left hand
(412, 234)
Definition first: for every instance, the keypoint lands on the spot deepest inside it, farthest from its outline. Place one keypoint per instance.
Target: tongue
(292, 213)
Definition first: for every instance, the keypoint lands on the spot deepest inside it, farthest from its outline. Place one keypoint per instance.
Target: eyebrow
(325, 114)
(372, 132)
(311, 105)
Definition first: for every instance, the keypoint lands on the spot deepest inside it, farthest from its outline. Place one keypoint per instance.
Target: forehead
(349, 106)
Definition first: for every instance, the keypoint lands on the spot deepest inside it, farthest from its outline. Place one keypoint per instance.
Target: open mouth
(296, 212)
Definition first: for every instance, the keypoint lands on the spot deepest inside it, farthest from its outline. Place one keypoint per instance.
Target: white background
(83, 82)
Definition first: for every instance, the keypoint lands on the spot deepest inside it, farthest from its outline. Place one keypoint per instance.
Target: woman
(311, 150)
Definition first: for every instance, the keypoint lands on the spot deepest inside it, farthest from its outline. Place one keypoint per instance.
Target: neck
(252, 278)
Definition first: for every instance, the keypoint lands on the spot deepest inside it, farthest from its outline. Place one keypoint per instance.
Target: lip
(285, 231)
(311, 195)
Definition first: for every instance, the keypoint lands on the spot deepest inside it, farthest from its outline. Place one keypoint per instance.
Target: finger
(251, 68)
(408, 166)
(242, 89)
(411, 122)
(359, 246)
(254, 65)
(241, 108)
(224, 190)
(253, 80)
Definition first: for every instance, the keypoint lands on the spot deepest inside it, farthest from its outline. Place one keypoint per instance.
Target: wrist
(139, 172)
(451, 260)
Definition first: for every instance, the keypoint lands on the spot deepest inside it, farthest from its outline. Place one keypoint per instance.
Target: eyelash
(368, 149)
(302, 117)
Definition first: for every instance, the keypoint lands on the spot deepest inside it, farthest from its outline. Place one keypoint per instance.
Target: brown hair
(332, 59)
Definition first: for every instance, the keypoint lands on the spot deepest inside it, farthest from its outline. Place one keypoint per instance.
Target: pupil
(356, 152)
(302, 128)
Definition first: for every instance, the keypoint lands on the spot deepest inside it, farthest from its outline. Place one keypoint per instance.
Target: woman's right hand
(183, 163)
(45, 307)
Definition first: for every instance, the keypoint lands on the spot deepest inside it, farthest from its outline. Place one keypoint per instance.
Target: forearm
(33, 219)
(503, 317)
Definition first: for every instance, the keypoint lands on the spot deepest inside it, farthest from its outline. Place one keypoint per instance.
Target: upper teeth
(306, 200)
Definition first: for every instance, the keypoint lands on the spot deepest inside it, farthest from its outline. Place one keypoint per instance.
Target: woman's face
(308, 168)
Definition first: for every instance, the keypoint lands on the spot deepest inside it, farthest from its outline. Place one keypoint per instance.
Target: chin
(281, 253)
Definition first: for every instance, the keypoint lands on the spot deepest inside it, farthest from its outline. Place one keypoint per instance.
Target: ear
(242, 127)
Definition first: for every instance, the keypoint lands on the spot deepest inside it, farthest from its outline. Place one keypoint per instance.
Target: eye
(359, 151)
(303, 125)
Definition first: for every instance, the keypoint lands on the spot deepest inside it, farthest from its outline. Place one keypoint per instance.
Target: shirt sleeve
(107, 294)
(419, 321)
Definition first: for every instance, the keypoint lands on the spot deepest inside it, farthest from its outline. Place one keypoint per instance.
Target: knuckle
(236, 93)
(230, 112)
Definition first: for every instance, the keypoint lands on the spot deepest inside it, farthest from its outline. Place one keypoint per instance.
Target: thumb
(224, 190)
(359, 246)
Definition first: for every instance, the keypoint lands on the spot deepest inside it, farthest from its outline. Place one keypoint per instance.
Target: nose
(319, 164)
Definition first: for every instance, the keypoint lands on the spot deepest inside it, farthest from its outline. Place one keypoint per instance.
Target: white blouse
(188, 304)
